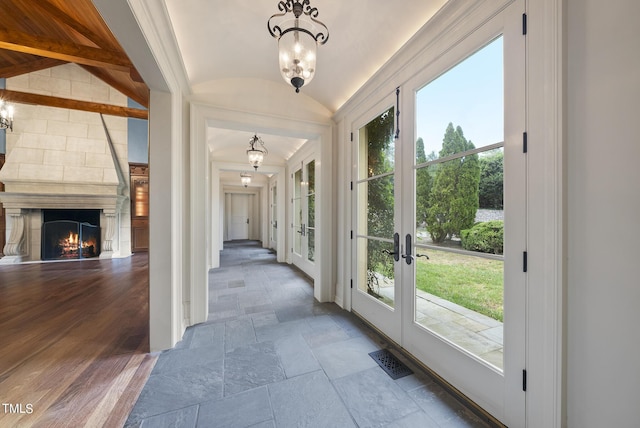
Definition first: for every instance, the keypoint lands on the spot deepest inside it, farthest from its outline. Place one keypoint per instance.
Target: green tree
(453, 201)
(491, 190)
(424, 183)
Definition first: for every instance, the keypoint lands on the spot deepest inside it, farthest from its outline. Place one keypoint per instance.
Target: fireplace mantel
(62, 201)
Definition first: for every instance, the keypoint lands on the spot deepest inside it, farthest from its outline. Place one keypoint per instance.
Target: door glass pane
(375, 269)
(379, 207)
(470, 96)
(274, 214)
(297, 212)
(377, 146)
(376, 204)
(459, 282)
(311, 210)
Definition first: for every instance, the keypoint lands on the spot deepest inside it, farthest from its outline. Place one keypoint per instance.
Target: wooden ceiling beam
(46, 100)
(36, 64)
(69, 52)
(127, 90)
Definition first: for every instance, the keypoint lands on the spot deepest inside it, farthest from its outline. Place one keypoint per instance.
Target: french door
(304, 214)
(439, 216)
(273, 215)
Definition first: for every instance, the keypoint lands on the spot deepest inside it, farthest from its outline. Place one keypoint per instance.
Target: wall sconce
(6, 116)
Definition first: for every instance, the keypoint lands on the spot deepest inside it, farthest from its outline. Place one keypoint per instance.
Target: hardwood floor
(74, 342)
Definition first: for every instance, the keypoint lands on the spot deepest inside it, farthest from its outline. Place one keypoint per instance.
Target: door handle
(247, 221)
(396, 247)
(408, 257)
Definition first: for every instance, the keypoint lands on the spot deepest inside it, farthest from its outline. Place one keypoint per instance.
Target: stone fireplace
(60, 159)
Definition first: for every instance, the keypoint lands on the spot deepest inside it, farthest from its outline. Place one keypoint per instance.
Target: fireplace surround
(65, 159)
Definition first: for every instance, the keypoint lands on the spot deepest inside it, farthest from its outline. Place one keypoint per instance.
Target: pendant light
(298, 37)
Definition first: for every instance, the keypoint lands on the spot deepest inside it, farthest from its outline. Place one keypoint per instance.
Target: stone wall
(56, 151)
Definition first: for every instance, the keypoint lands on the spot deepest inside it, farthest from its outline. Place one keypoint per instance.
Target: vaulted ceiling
(36, 35)
(221, 39)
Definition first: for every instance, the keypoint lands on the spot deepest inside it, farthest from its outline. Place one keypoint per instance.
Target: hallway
(271, 356)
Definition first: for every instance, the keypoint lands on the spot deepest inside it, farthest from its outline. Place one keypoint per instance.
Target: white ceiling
(230, 145)
(223, 39)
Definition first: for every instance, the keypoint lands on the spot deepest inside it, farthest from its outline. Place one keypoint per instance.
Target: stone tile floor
(272, 356)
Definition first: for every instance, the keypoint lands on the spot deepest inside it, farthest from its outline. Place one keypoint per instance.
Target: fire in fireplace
(70, 234)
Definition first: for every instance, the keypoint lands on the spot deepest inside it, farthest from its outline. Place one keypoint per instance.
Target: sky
(470, 95)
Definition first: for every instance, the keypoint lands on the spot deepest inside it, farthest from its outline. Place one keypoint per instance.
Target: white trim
(200, 223)
(153, 18)
(144, 30)
(546, 213)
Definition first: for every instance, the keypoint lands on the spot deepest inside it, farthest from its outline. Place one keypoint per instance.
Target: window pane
(311, 174)
(375, 269)
(311, 243)
(459, 283)
(378, 207)
(377, 146)
(469, 96)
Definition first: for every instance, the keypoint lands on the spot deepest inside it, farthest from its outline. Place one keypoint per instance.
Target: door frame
(274, 208)
(306, 154)
(507, 407)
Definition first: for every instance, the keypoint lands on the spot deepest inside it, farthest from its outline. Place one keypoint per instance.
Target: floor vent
(390, 364)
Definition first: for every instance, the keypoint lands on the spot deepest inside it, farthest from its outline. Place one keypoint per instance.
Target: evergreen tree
(491, 191)
(453, 201)
(423, 183)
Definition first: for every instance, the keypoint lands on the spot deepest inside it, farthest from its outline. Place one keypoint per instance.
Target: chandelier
(298, 37)
(6, 116)
(245, 179)
(256, 151)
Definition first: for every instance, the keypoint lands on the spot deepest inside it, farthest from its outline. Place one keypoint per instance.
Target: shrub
(486, 237)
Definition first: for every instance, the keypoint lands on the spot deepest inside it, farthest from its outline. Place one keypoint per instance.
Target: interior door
(304, 213)
(377, 239)
(440, 217)
(239, 227)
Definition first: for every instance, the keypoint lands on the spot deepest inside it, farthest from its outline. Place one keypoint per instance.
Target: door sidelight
(396, 247)
(408, 257)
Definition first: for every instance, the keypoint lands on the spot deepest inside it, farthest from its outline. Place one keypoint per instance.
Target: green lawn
(475, 283)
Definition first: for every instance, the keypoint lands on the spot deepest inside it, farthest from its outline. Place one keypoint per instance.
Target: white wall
(603, 150)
